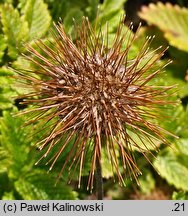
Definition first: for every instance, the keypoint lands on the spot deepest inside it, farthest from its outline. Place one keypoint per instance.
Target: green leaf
(6, 91)
(4, 71)
(5, 103)
(172, 20)
(173, 169)
(74, 13)
(17, 162)
(150, 31)
(15, 145)
(40, 185)
(173, 76)
(107, 171)
(8, 196)
(178, 121)
(4, 183)
(4, 160)
(15, 29)
(58, 10)
(147, 182)
(21, 63)
(182, 146)
(110, 6)
(12, 136)
(180, 195)
(36, 14)
(142, 142)
(21, 3)
(3, 46)
(92, 9)
(111, 11)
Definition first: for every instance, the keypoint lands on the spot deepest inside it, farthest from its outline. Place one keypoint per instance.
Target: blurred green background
(23, 21)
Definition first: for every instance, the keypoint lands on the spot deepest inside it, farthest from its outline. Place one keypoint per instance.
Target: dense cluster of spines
(97, 94)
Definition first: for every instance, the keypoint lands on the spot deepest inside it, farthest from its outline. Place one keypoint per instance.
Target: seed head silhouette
(97, 98)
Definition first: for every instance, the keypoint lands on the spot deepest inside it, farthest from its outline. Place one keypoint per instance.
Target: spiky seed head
(97, 96)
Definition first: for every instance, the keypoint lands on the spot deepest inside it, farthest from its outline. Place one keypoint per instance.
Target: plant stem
(99, 180)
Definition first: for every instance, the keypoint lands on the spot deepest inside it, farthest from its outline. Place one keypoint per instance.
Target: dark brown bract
(98, 96)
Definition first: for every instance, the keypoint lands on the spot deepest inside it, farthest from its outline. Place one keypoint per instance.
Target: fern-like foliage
(172, 20)
(6, 91)
(23, 180)
(111, 11)
(173, 163)
(22, 22)
(3, 46)
(36, 14)
(15, 29)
